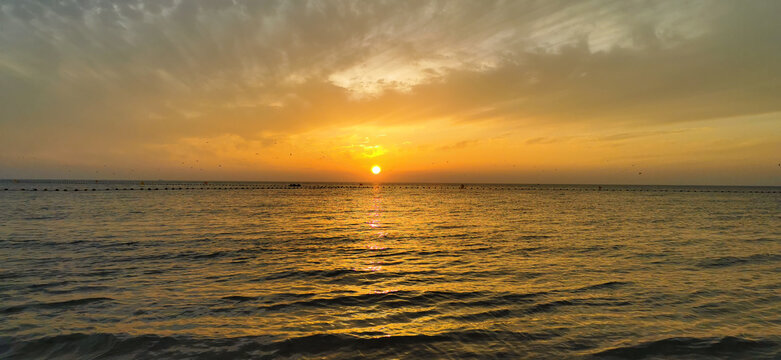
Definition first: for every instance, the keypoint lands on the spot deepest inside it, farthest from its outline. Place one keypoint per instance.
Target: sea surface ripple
(339, 271)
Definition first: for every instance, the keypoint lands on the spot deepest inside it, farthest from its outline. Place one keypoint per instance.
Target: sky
(623, 92)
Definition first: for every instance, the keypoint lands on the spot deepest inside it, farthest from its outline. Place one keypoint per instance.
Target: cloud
(542, 140)
(92, 75)
(460, 145)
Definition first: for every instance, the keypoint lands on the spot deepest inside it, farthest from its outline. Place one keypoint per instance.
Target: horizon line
(364, 182)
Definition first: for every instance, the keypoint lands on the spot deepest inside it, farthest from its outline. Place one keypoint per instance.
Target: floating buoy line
(298, 187)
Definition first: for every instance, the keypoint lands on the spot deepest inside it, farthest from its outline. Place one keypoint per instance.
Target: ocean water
(339, 271)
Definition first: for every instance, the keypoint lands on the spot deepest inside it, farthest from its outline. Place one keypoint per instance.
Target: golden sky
(656, 92)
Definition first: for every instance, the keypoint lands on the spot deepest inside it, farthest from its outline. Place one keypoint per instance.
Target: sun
(376, 169)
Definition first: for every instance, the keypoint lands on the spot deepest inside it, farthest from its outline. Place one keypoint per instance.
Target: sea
(251, 270)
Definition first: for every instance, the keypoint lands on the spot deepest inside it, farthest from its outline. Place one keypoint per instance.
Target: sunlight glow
(376, 169)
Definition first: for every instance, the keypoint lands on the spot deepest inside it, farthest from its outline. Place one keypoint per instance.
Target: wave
(238, 254)
(321, 343)
(78, 289)
(488, 305)
(605, 285)
(534, 237)
(107, 346)
(53, 305)
(48, 285)
(725, 346)
(393, 318)
(394, 299)
(272, 297)
(553, 305)
(481, 316)
(388, 300)
(308, 273)
(734, 260)
(344, 276)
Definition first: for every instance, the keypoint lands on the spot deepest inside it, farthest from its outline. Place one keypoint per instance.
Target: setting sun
(376, 169)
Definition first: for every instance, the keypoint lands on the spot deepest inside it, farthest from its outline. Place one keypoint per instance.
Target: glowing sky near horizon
(655, 92)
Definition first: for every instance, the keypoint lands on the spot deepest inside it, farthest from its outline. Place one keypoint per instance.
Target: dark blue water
(257, 270)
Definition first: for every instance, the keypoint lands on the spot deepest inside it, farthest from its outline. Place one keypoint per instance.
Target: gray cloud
(96, 74)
